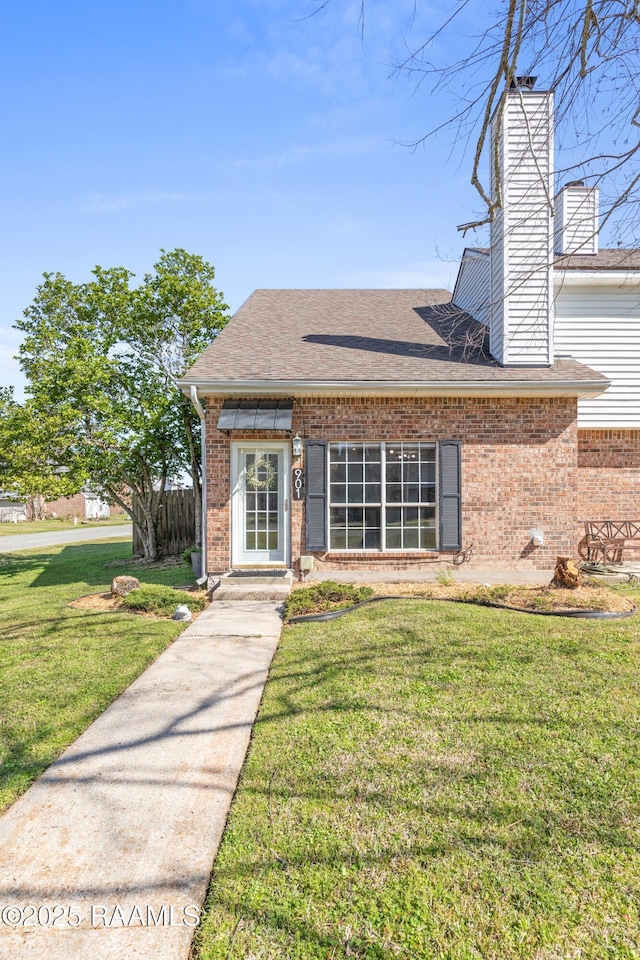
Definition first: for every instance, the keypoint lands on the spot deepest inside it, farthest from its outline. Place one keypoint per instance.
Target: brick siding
(609, 478)
(519, 466)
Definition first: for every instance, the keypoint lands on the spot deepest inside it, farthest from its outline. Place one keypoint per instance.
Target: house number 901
(298, 483)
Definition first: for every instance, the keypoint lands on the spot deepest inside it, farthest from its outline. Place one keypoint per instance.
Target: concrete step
(253, 588)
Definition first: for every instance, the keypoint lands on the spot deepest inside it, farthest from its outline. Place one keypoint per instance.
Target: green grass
(438, 781)
(60, 667)
(53, 526)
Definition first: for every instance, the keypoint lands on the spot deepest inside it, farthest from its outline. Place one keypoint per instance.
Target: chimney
(577, 213)
(521, 331)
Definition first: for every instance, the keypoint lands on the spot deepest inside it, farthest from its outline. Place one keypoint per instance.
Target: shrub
(445, 578)
(322, 596)
(186, 554)
(161, 600)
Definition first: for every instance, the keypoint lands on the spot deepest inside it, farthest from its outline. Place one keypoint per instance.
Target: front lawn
(61, 667)
(438, 781)
(54, 526)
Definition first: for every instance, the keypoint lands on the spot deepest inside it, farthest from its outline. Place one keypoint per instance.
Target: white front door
(260, 504)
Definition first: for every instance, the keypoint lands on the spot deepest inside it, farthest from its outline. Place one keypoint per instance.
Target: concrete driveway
(24, 541)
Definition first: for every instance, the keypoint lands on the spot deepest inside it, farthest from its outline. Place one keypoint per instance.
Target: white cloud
(103, 203)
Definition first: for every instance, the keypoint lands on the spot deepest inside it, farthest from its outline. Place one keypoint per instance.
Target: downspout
(195, 400)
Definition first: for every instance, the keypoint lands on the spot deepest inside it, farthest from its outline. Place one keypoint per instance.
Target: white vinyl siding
(472, 286)
(521, 247)
(576, 226)
(600, 327)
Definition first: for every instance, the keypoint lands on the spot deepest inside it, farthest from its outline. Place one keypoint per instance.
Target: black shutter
(315, 463)
(450, 496)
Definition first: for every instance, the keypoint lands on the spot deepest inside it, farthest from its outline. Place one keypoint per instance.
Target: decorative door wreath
(251, 475)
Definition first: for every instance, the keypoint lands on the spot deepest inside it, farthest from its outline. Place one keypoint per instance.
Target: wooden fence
(176, 525)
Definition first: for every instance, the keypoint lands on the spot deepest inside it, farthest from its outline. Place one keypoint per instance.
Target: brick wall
(519, 462)
(67, 507)
(609, 477)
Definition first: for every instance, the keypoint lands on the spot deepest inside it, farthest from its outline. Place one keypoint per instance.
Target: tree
(101, 358)
(28, 438)
(586, 51)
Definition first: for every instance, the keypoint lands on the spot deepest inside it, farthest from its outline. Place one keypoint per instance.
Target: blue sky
(238, 129)
(263, 141)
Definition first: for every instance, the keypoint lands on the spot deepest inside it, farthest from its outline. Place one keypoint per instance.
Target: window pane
(411, 538)
(427, 493)
(272, 539)
(372, 472)
(372, 538)
(427, 516)
(338, 473)
(273, 521)
(428, 473)
(250, 500)
(355, 539)
(338, 493)
(338, 452)
(338, 517)
(355, 493)
(339, 539)
(411, 472)
(261, 501)
(355, 453)
(250, 540)
(372, 451)
(372, 517)
(355, 473)
(355, 516)
(394, 493)
(394, 472)
(394, 538)
(410, 451)
(372, 492)
(411, 493)
(262, 521)
(428, 538)
(394, 452)
(261, 541)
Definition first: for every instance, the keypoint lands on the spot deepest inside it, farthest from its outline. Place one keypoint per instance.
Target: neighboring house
(12, 508)
(434, 427)
(85, 506)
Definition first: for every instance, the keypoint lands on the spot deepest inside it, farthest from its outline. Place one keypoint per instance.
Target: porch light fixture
(297, 446)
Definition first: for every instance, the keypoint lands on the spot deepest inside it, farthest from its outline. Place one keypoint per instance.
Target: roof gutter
(195, 400)
(382, 388)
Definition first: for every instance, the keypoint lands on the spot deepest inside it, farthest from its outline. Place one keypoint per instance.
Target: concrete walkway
(24, 541)
(119, 835)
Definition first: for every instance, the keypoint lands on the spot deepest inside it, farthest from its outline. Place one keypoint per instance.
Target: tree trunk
(195, 468)
(142, 520)
(36, 507)
(566, 574)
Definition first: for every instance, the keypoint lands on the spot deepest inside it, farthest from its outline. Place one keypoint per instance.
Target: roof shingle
(344, 336)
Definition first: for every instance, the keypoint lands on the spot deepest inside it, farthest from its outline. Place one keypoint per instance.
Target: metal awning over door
(256, 415)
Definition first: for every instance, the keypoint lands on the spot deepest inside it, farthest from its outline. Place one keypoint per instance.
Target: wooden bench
(605, 540)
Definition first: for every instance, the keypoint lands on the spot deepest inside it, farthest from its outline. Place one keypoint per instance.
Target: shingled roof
(607, 258)
(613, 258)
(344, 337)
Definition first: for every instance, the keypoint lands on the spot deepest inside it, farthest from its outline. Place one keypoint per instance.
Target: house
(85, 505)
(388, 429)
(13, 509)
